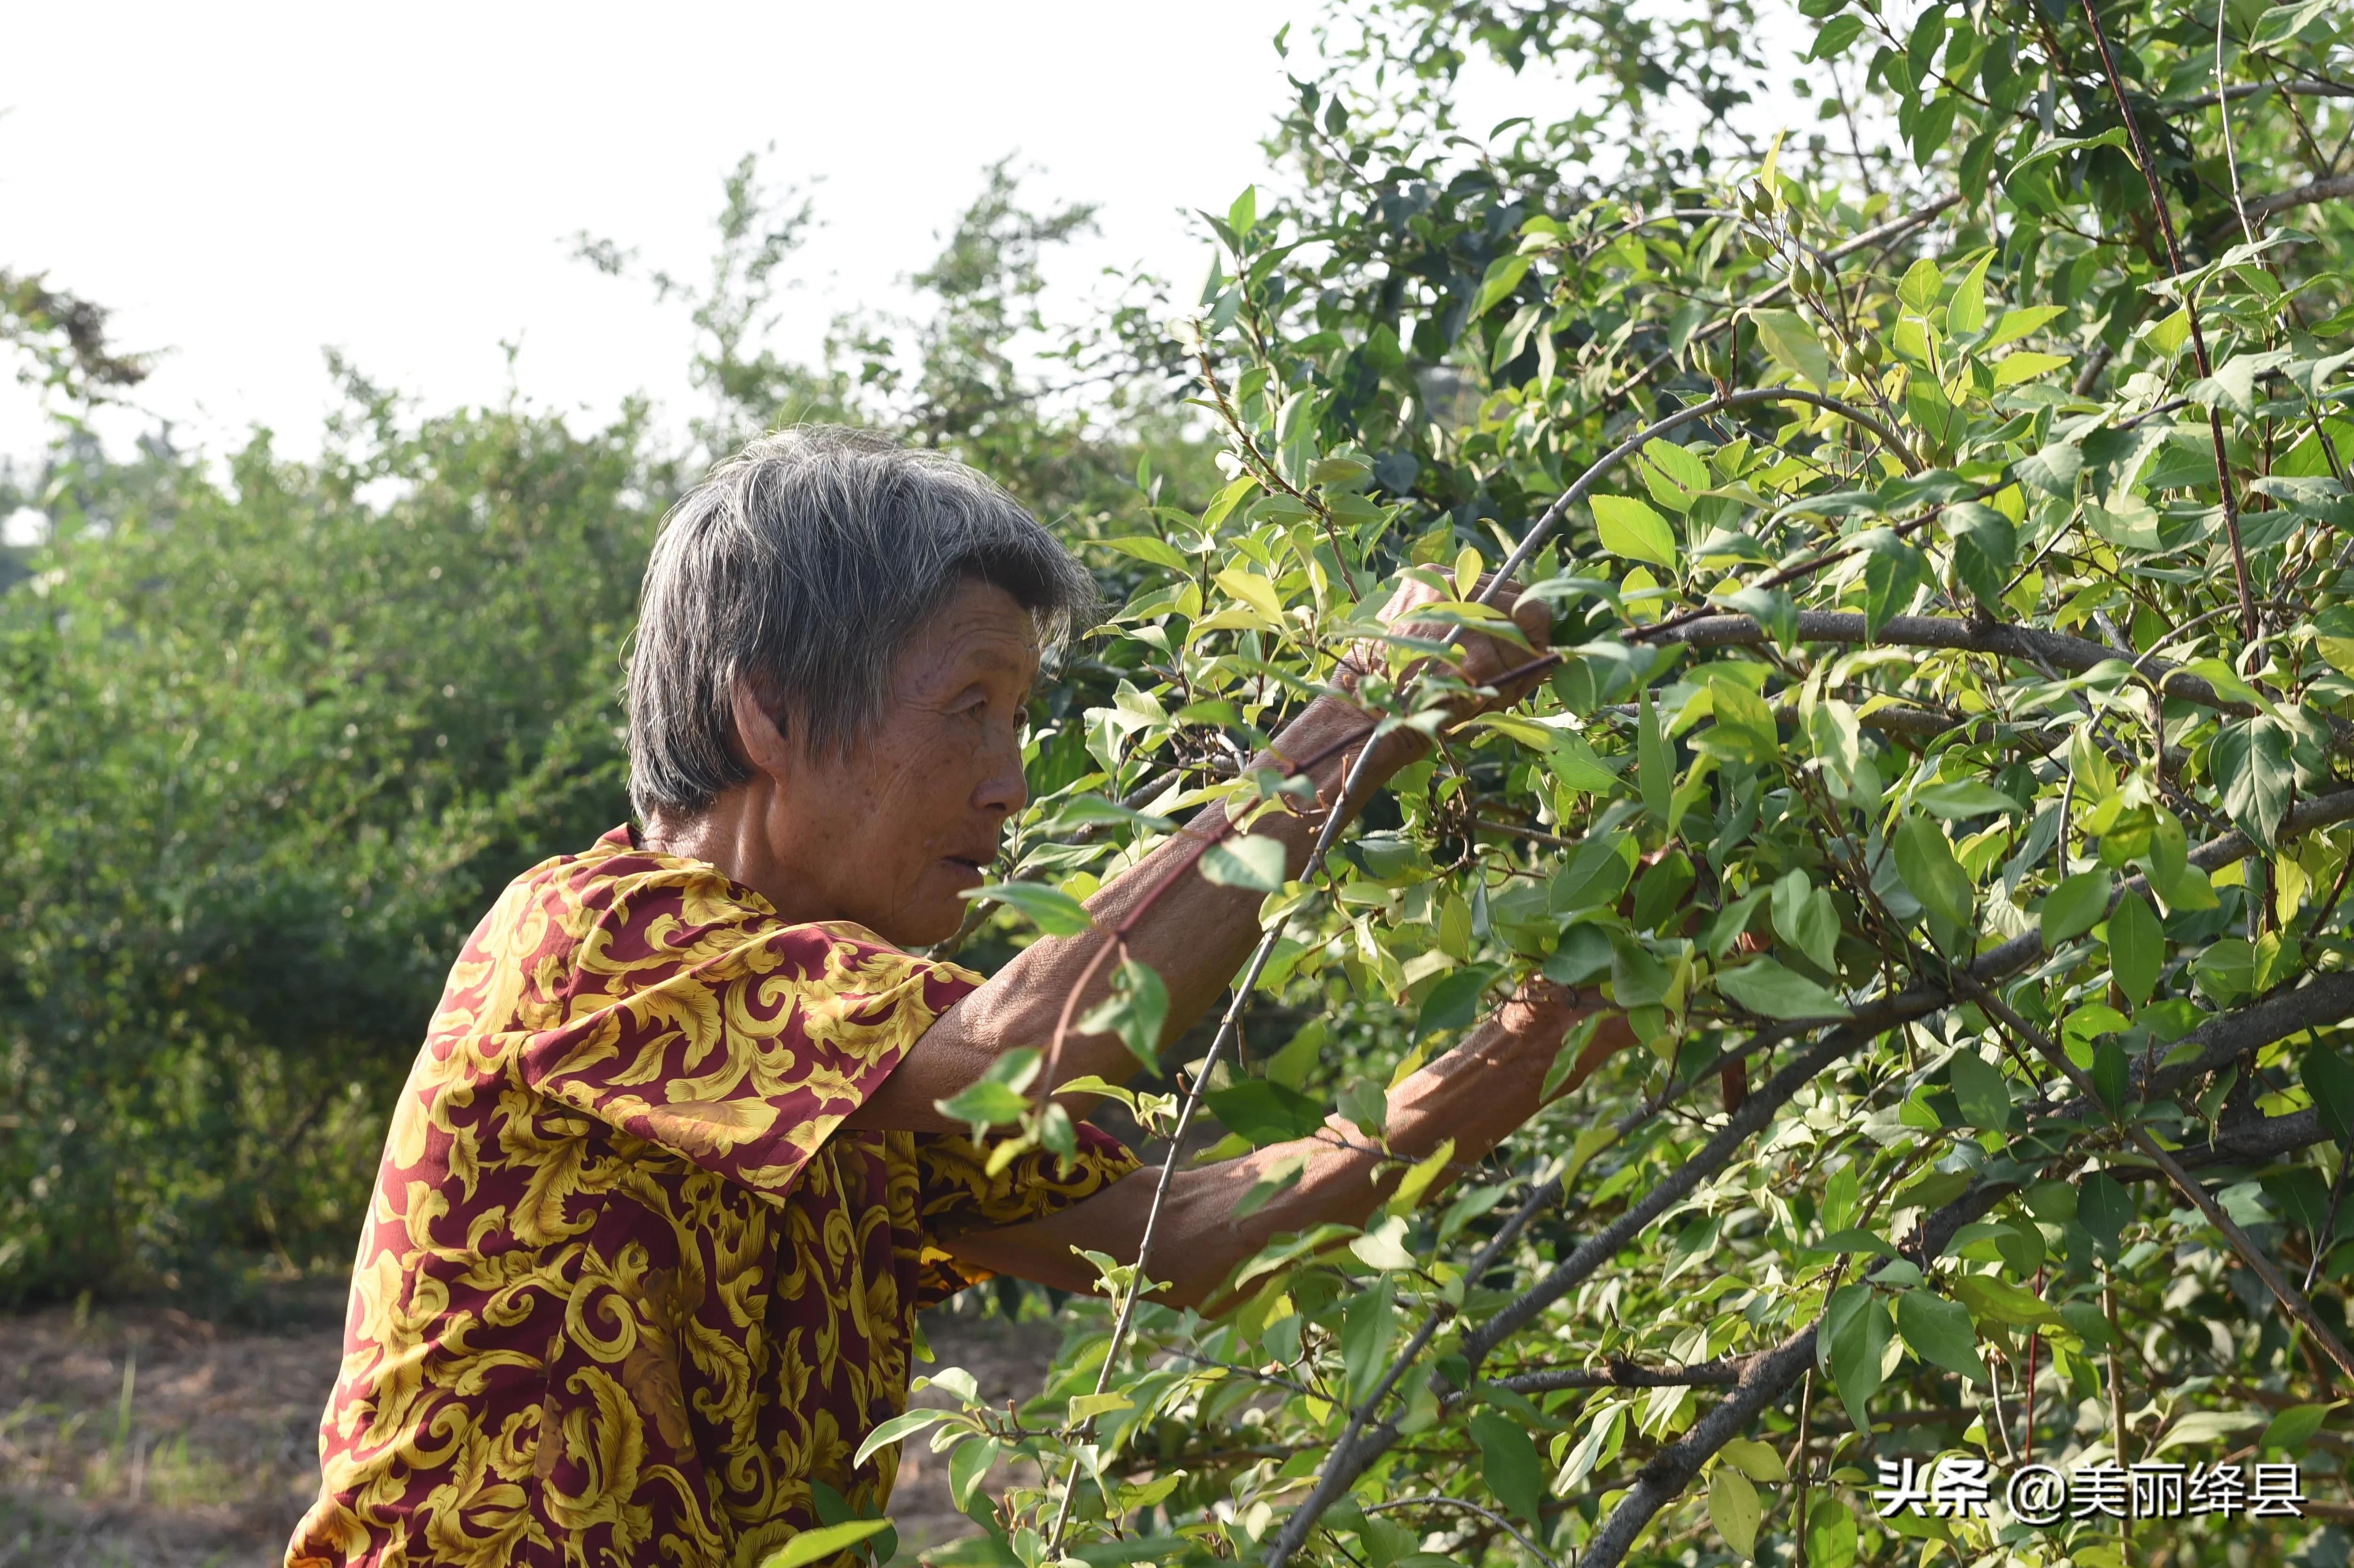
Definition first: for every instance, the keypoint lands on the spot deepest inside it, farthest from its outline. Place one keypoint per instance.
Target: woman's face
(891, 833)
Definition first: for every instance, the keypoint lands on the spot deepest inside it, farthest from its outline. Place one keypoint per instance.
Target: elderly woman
(668, 1183)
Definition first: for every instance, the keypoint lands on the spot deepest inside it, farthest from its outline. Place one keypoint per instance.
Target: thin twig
(1490, 1515)
(2190, 308)
(1358, 770)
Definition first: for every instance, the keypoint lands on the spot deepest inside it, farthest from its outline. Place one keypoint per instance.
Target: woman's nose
(1004, 790)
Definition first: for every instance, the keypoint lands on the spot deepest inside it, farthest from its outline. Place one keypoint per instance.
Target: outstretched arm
(1194, 934)
(1477, 1095)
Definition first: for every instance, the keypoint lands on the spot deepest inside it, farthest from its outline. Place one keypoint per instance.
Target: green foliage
(274, 748)
(1871, 472)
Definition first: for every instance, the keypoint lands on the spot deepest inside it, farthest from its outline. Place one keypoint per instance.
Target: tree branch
(1551, 518)
(2075, 654)
(2330, 189)
(1622, 1373)
(1765, 1379)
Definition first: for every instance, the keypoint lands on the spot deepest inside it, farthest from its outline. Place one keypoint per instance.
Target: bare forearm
(1476, 1094)
(1193, 933)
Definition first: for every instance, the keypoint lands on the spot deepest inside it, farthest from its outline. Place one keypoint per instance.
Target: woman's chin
(934, 918)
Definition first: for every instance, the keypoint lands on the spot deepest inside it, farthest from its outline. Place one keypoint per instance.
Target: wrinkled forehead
(983, 632)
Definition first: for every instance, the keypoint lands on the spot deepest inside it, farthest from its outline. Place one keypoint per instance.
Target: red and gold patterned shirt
(626, 1289)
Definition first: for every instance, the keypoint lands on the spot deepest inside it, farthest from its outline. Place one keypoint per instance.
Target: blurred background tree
(277, 731)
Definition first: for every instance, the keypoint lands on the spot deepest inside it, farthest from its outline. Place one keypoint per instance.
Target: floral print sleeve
(958, 1194)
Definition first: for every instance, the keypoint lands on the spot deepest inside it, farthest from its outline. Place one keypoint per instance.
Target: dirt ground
(140, 1437)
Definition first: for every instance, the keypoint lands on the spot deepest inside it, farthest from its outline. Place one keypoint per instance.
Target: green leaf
(1755, 1459)
(1585, 952)
(2328, 1077)
(1793, 345)
(1159, 552)
(1926, 863)
(1653, 769)
(1807, 917)
(1981, 1091)
(1770, 607)
(1504, 275)
(2113, 137)
(1766, 987)
(1966, 312)
(1631, 530)
(2279, 24)
(1243, 216)
(2205, 1428)
(1744, 729)
(2294, 1427)
(1256, 862)
(1831, 1534)
(967, 1464)
(1834, 36)
(2005, 1302)
(1136, 1011)
(2103, 1208)
(996, 1096)
(1857, 1331)
(2016, 324)
(2053, 470)
(1918, 289)
(2136, 948)
(1892, 572)
(2075, 906)
(815, 1545)
(1367, 1324)
(1453, 1002)
(1596, 875)
(2233, 385)
(1637, 979)
(1265, 1112)
(898, 1427)
(1959, 798)
(2112, 1076)
(1509, 1464)
(1674, 476)
(1985, 548)
(1733, 1510)
(2251, 765)
(1940, 1332)
(1384, 1244)
(1576, 766)
(1052, 910)
(2025, 366)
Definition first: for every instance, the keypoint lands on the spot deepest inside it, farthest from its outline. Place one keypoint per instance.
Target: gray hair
(804, 563)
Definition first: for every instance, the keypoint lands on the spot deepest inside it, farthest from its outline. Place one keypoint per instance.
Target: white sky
(244, 184)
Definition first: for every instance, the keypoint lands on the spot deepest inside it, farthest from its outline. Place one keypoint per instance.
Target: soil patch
(141, 1438)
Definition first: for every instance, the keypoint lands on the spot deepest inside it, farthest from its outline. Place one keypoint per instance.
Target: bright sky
(247, 183)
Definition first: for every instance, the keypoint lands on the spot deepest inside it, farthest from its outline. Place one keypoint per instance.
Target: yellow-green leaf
(1088, 1406)
(2017, 324)
(1252, 590)
(815, 1545)
(1417, 1181)
(1733, 1510)
(1793, 345)
(1633, 531)
(1756, 1460)
(2026, 365)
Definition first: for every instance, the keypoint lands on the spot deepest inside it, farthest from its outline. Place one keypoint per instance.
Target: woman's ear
(759, 737)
